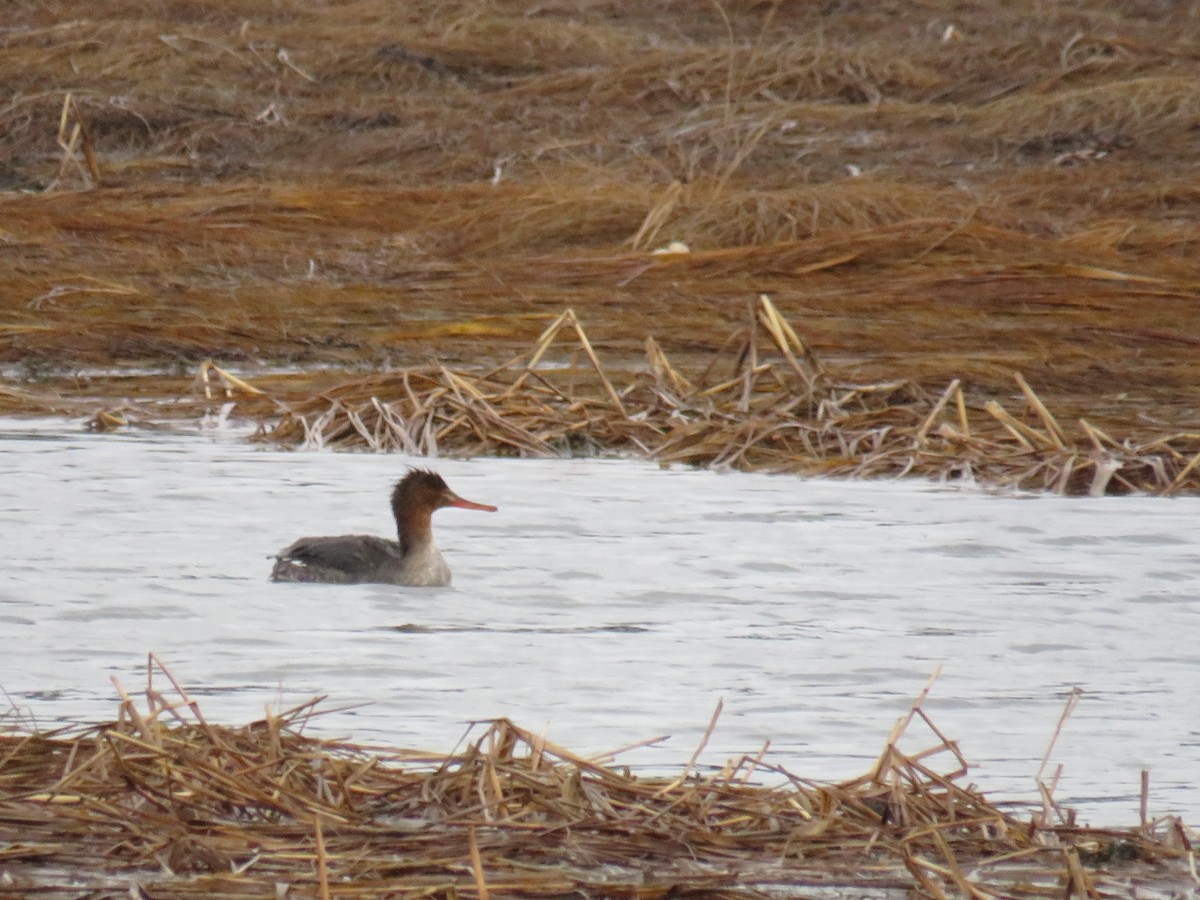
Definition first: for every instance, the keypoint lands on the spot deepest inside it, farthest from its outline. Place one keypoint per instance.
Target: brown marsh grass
(362, 222)
(164, 803)
(929, 194)
(767, 403)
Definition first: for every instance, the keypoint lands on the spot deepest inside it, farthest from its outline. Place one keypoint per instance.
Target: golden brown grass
(927, 192)
(165, 803)
(766, 403)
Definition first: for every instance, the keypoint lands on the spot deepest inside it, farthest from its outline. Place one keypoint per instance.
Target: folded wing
(346, 559)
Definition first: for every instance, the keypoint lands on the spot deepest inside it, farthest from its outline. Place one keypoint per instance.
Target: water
(609, 602)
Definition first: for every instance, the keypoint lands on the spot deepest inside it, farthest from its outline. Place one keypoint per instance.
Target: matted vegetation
(164, 803)
(766, 403)
(433, 225)
(928, 193)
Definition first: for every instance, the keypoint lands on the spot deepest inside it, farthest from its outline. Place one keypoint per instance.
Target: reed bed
(766, 403)
(936, 193)
(163, 803)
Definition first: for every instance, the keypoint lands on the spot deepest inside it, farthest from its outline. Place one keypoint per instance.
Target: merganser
(413, 560)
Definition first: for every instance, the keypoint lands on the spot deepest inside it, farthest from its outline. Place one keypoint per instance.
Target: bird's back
(345, 559)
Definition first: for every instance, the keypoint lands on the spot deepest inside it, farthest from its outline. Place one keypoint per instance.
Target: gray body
(413, 560)
(360, 559)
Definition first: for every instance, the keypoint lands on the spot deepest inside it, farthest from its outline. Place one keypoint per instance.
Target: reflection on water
(609, 602)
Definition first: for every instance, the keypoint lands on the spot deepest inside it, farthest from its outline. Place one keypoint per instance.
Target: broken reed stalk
(779, 410)
(75, 137)
(658, 215)
(712, 724)
(1072, 701)
(477, 864)
(1057, 436)
(210, 371)
(175, 806)
(1144, 804)
(1047, 790)
(322, 862)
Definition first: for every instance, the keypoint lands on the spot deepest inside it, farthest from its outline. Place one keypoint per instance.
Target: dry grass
(929, 193)
(766, 403)
(166, 804)
(981, 219)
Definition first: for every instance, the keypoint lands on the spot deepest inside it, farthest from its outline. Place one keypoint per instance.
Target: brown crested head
(419, 488)
(426, 491)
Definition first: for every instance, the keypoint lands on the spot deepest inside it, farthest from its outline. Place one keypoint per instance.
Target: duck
(412, 561)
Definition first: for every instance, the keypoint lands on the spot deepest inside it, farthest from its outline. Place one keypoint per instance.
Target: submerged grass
(164, 803)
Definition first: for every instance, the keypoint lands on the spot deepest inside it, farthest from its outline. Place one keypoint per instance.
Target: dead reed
(164, 803)
(766, 403)
(945, 192)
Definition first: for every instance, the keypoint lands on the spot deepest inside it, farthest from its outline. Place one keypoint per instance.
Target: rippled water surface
(609, 602)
